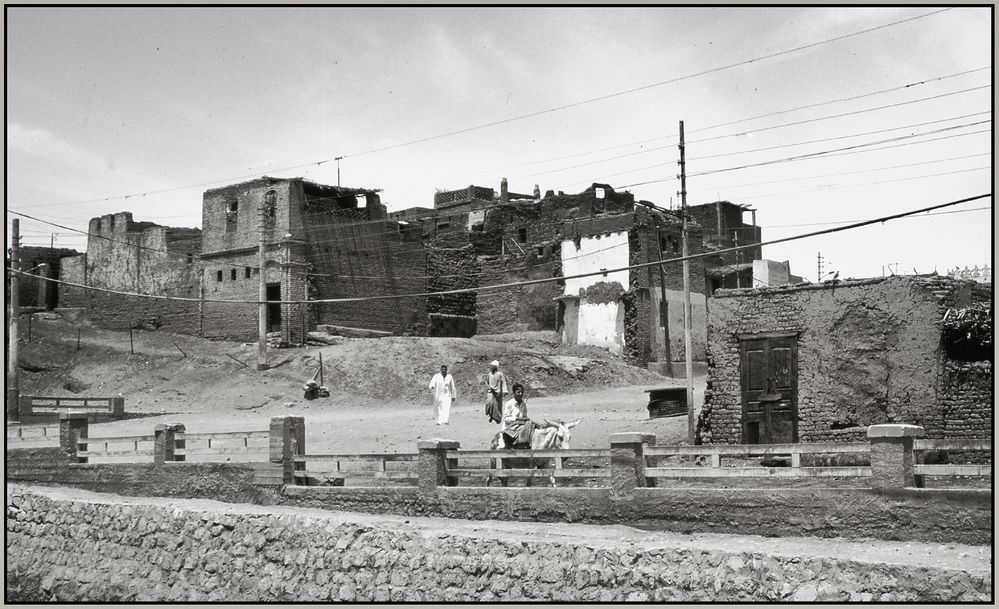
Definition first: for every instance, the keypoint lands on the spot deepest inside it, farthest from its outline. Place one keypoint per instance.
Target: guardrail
(890, 460)
(85, 449)
(716, 469)
(204, 446)
(506, 464)
(360, 468)
(35, 435)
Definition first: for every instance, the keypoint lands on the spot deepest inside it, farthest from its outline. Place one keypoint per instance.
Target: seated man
(516, 427)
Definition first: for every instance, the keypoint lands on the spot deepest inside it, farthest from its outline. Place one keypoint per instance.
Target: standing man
(443, 389)
(495, 390)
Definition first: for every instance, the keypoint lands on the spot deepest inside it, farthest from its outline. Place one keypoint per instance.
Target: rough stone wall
(99, 550)
(869, 352)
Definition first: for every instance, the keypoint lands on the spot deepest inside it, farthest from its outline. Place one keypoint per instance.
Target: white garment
(444, 391)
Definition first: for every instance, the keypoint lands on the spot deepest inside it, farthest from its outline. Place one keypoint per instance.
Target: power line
(842, 99)
(659, 165)
(785, 111)
(643, 265)
(845, 149)
(823, 118)
(921, 177)
(530, 114)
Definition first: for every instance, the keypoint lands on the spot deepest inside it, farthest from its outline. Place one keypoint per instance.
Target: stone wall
(98, 548)
(869, 352)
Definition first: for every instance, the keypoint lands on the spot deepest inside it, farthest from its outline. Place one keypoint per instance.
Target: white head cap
(494, 363)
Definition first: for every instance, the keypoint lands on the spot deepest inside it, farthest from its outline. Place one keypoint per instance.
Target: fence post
(72, 428)
(432, 464)
(627, 471)
(892, 462)
(287, 439)
(165, 441)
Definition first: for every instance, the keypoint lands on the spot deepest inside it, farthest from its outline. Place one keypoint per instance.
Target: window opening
(218, 276)
(522, 235)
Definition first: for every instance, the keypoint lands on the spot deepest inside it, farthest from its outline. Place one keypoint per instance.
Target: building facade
(821, 362)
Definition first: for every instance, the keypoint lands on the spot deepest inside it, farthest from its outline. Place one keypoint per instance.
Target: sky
(142, 109)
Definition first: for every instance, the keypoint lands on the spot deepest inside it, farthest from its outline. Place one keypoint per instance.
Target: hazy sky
(109, 102)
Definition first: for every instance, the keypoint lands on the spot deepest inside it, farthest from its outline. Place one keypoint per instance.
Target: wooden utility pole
(687, 342)
(261, 294)
(13, 383)
(664, 308)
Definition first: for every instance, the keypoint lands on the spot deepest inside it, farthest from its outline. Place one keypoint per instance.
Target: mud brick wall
(526, 307)
(34, 292)
(226, 230)
(73, 269)
(353, 256)
(965, 399)
(227, 319)
(138, 257)
(869, 352)
(99, 549)
(452, 269)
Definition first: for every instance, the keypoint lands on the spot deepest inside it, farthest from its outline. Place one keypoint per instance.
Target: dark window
(190, 258)
(270, 204)
(443, 225)
(522, 235)
(232, 274)
(247, 272)
(541, 250)
(231, 209)
(478, 227)
(218, 276)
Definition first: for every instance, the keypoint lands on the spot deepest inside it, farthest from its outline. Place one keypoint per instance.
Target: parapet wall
(75, 546)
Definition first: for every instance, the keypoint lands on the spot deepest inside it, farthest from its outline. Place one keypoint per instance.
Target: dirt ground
(379, 400)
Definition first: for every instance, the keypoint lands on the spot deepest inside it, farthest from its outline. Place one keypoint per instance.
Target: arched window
(270, 204)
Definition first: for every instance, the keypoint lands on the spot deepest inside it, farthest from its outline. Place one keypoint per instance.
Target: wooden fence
(278, 453)
(477, 467)
(33, 435)
(357, 470)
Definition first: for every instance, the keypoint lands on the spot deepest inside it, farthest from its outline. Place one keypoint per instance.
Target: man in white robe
(443, 389)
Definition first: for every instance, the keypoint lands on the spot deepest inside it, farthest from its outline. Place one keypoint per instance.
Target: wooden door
(769, 365)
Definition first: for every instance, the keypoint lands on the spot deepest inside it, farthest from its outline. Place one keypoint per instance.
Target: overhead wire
(878, 220)
(531, 114)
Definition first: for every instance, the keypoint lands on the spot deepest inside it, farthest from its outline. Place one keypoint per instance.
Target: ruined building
(329, 242)
(822, 362)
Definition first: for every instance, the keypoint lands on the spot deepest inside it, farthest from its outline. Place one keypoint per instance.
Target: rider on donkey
(516, 427)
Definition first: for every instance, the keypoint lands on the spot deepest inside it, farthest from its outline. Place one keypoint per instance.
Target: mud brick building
(39, 262)
(840, 356)
(141, 257)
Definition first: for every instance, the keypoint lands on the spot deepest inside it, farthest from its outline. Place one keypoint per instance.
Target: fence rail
(632, 459)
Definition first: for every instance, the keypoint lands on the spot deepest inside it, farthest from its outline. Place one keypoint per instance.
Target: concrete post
(72, 427)
(287, 439)
(628, 463)
(165, 442)
(432, 463)
(892, 463)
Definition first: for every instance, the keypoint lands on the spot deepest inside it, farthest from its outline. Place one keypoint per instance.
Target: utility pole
(687, 343)
(664, 307)
(337, 159)
(819, 276)
(262, 294)
(13, 384)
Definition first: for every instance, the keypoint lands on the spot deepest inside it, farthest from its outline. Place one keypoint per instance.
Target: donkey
(554, 437)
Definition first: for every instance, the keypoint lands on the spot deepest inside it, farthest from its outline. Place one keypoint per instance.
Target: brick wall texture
(104, 549)
(869, 352)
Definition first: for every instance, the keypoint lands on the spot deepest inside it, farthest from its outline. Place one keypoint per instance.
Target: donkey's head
(558, 434)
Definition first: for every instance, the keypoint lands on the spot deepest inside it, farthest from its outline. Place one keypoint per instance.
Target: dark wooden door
(770, 366)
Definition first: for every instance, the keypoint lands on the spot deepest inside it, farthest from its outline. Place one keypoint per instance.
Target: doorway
(273, 309)
(769, 368)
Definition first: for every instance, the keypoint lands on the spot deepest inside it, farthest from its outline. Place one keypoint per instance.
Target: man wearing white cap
(495, 390)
